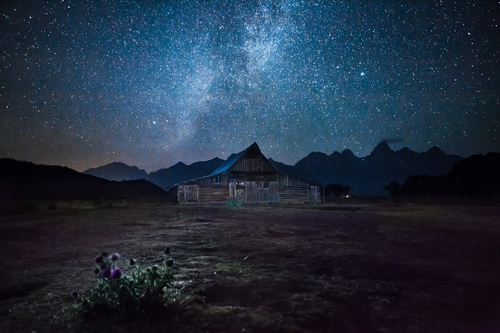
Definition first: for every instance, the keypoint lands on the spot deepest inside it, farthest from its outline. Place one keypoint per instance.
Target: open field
(349, 266)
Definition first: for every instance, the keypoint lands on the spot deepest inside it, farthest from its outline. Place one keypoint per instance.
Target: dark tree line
(476, 176)
(337, 190)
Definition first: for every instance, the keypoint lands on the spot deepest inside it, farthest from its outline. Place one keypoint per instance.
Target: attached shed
(249, 175)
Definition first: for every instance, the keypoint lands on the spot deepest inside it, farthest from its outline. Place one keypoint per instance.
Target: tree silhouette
(393, 188)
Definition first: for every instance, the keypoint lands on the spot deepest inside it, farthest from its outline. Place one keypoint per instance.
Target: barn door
(273, 192)
(250, 192)
(261, 194)
(311, 194)
(191, 193)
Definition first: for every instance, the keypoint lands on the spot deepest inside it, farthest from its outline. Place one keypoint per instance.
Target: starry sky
(151, 83)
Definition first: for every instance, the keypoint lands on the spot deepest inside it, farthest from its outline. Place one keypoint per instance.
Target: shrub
(128, 294)
(234, 203)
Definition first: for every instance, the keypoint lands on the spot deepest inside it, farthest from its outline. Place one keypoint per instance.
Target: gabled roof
(231, 160)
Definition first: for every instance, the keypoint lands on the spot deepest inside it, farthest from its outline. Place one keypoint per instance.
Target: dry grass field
(346, 266)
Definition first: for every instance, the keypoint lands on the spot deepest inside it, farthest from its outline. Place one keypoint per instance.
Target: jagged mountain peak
(405, 150)
(382, 148)
(381, 152)
(179, 164)
(436, 151)
(406, 153)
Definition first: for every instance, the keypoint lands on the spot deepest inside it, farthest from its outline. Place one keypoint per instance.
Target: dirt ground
(345, 266)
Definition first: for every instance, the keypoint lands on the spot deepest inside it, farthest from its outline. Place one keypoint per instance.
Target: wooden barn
(249, 175)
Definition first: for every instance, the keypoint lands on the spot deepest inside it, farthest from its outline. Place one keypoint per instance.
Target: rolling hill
(26, 180)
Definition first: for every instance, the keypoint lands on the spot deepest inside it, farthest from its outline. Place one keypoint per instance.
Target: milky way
(85, 83)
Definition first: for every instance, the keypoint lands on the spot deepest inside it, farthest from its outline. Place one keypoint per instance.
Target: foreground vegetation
(345, 266)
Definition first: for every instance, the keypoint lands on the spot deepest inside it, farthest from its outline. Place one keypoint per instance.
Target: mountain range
(117, 171)
(366, 176)
(182, 172)
(430, 173)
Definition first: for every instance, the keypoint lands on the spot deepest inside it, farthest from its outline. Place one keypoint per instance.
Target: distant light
(362, 74)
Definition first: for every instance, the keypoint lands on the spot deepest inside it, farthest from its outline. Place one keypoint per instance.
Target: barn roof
(231, 160)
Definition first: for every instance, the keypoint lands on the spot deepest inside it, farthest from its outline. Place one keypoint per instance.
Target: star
(294, 76)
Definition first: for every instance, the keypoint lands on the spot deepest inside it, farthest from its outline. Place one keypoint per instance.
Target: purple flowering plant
(106, 273)
(114, 257)
(99, 260)
(116, 274)
(123, 290)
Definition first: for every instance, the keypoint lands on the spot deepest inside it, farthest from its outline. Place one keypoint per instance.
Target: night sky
(86, 83)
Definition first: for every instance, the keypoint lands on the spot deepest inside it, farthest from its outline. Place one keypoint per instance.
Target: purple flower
(106, 273)
(116, 273)
(170, 262)
(114, 256)
(74, 294)
(167, 250)
(98, 260)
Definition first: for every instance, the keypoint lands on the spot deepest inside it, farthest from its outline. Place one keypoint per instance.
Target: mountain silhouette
(181, 172)
(163, 178)
(367, 176)
(26, 180)
(117, 171)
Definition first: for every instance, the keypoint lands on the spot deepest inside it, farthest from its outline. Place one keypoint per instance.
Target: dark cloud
(392, 140)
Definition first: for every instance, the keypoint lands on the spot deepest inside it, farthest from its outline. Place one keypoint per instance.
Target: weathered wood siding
(180, 194)
(250, 192)
(202, 193)
(293, 194)
(252, 177)
(253, 163)
(286, 180)
(300, 194)
(257, 193)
